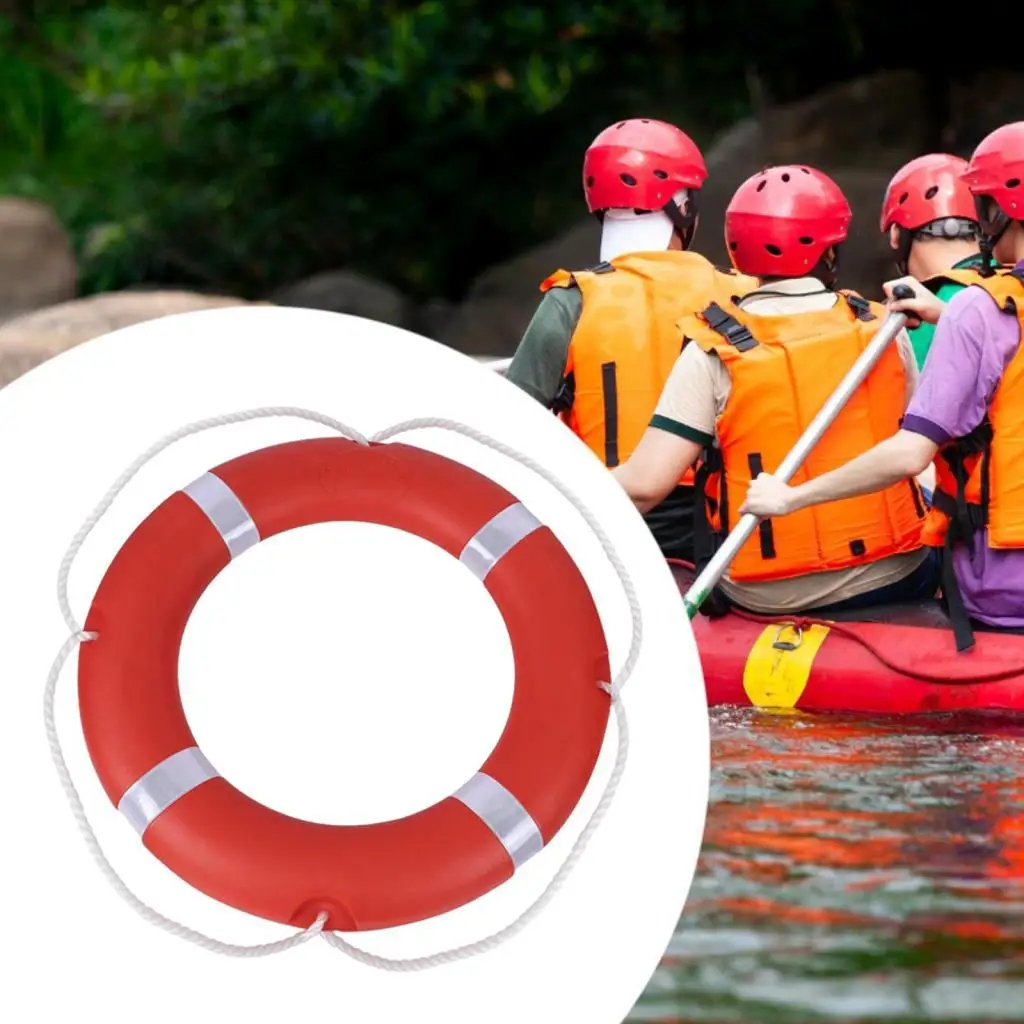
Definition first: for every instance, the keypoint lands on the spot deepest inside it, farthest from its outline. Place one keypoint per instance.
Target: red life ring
(364, 877)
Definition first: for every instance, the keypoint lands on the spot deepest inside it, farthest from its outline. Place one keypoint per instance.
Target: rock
(342, 291)
(499, 304)
(433, 318)
(37, 265)
(858, 132)
(31, 339)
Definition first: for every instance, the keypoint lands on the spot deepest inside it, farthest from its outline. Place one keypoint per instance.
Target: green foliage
(240, 145)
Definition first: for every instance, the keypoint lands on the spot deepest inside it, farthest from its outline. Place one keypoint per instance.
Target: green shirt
(539, 363)
(922, 335)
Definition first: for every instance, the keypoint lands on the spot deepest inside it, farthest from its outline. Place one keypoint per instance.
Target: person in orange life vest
(747, 385)
(603, 340)
(967, 415)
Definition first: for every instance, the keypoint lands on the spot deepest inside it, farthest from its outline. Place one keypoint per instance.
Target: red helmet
(996, 170)
(783, 220)
(927, 189)
(640, 165)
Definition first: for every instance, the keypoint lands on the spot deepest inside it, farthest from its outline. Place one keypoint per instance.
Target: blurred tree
(241, 144)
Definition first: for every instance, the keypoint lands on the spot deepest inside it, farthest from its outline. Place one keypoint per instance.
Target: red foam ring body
(281, 868)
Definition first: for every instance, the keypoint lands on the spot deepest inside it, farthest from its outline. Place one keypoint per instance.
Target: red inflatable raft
(890, 660)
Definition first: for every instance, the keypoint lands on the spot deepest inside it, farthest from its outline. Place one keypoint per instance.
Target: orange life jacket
(957, 275)
(782, 370)
(979, 482)
(627, 341)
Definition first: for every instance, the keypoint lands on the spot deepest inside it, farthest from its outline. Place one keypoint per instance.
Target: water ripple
(854, 871)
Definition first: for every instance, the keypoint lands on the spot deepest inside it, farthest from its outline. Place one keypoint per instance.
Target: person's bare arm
(656, 466)
(682, 427)
(909, 361)
(900, 457)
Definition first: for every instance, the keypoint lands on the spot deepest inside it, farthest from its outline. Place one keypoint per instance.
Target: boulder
(31, 339)
(37, 264)
(342, 291)
(434, 317)
(499, 304)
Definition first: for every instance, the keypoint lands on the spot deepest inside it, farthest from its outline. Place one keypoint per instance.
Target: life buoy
(268, 864)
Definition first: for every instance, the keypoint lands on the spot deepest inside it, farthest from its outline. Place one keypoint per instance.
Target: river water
(854, 871)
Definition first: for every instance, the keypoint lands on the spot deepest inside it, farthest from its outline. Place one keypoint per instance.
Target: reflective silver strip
(228, 515)
(504, 815)
(497, 537)
(147, 798)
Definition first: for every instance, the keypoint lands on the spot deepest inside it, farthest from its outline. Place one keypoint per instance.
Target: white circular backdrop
(345, 673)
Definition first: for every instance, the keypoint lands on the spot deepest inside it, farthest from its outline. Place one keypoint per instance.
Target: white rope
(151, 453)
(78, 636)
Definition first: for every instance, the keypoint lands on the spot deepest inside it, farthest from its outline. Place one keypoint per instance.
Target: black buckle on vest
(565, 395)
(1018, 272)
(729, 327)
(604, 267)
(861, 307)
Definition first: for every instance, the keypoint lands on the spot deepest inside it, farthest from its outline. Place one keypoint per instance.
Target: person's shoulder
(974, 312)
(966, 297)
(567, 294)
(974, 325)
(694, 360)
(564, 301)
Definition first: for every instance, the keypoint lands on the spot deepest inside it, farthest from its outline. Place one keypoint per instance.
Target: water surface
(854, 871)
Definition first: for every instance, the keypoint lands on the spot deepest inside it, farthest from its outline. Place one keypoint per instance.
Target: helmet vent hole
(661, 174)
(733, 246)
(903, 198)
(785, 177)
(761, 185)
(806, 240)
(1013, 183)
(644, 120)
(621, 124)
(774, 250)
(932, 192)
(804, 170)
(628, 179)
(590, 181)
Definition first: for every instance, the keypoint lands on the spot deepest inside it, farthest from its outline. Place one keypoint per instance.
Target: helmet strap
(685, 220)
(826, 270)
(987, 243)
(904, 240)
(994, 223)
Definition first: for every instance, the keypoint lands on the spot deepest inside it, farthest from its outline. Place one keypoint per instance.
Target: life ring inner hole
(291, 693)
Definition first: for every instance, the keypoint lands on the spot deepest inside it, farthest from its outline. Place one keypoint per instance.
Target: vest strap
(766, 536)
(565, 395)
(963, 634)
(861, 307)
(610, 398)
(707, 540)
(737, 334)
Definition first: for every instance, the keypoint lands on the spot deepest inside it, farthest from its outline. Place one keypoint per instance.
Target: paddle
(715, 569)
